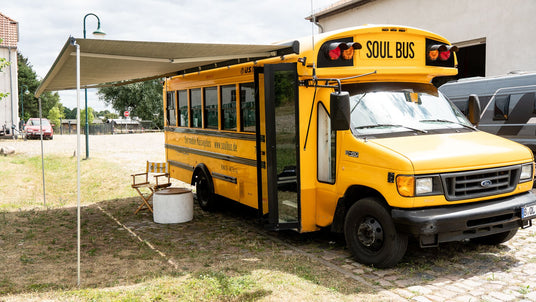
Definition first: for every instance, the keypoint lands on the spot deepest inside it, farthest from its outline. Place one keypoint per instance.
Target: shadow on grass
(221, 255)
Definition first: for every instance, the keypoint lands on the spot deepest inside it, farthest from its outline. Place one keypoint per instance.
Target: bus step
(290, 204)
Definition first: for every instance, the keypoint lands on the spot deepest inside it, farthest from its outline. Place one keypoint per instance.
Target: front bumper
(459, 222)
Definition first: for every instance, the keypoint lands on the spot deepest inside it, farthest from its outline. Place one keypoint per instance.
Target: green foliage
(55, 115)
(27, 78)
(144, 99)
(69, 113)
(90, 116)
(106, 115)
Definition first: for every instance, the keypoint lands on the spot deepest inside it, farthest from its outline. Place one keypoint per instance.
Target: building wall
(8, 84)
(505, 26)
(8, 76)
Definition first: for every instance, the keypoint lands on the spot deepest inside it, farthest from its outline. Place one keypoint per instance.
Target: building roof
(337, 8)
(9, 31)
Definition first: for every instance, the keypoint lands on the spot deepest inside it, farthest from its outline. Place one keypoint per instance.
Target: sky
(45, 25)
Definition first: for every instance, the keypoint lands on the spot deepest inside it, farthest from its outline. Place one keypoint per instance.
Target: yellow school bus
(347, 132)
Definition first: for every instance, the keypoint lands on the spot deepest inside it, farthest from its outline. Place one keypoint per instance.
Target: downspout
(11, 91)
(320, 28)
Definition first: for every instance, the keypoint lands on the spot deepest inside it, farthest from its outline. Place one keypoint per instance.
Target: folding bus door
(279, 142)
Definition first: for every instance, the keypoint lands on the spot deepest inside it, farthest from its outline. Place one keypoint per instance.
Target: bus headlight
(526, 172)
(424, 186)
(412, 186)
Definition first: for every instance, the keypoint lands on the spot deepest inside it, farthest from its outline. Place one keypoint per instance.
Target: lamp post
(97, 32)
(22, 93)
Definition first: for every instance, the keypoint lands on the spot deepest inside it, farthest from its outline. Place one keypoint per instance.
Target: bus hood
(458, 151)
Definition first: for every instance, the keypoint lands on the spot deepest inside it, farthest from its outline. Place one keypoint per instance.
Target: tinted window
(196, 114)
(211, 107)
(247, 107)
(228, 107)
(170, 112)
(502, 102)
(182, 104)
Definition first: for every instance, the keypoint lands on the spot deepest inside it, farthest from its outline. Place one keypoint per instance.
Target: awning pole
(42, 152)
(73, 42)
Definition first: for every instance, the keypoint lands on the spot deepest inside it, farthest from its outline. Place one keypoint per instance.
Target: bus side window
(195, 108)
(326, 147)
(170, 110)
(182, 108)
(247, 107)
(211, 107)
(228, 107)
(502, 103)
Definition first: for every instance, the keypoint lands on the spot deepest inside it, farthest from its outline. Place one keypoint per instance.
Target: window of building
(247, 107)
(182, 108)
(211, 107)
(170, 109)
(195, 108)
(228, 107)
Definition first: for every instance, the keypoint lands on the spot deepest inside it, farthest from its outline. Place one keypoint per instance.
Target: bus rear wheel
(371, 234)
(204, 191)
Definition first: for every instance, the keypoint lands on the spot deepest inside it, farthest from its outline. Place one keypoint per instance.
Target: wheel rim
(370, 234)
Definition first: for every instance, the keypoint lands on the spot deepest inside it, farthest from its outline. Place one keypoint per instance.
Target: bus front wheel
(371, 234)
(204, 191)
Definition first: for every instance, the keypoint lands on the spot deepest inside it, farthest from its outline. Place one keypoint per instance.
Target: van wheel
(371, 234)
(204, 191)
(495, 239)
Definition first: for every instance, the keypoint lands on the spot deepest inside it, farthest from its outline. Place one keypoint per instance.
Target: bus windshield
(398, 108)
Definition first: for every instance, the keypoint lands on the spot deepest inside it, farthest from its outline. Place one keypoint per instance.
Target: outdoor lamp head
(98, 32)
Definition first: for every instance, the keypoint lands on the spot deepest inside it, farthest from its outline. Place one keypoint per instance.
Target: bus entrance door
(281, 176)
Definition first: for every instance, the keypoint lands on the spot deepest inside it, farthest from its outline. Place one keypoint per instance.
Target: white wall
(507, 26)
(8, 84)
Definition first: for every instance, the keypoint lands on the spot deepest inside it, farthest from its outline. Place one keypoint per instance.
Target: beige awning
(107, 62)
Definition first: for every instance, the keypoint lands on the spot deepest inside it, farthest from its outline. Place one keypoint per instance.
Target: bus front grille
(480, 183)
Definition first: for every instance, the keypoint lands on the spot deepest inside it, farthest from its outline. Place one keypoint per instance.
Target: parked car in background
(508, 104)
(33, 129)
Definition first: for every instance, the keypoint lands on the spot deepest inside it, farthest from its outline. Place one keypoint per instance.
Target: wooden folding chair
(156, 169)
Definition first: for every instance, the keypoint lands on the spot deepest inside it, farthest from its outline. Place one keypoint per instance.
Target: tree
(90, 116)
(107, 115)
(69, 113)
(144, 100)
(28, 77)
(55, 115)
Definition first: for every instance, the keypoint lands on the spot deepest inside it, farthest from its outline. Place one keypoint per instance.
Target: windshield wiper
(390, 125)
(447, 121)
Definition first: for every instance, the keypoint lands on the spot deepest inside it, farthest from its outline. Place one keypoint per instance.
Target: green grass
(99, 180)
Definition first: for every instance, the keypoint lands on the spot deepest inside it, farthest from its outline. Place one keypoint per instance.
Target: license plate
(528, 211)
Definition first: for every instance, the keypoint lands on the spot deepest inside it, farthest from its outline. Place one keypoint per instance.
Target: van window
(502, 102)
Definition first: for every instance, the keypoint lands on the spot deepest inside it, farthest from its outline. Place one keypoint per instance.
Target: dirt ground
(230, 245)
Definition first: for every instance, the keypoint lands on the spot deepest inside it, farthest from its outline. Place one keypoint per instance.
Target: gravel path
(132, 149)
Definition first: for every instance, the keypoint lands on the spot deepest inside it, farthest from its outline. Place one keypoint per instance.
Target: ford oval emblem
(485, 183)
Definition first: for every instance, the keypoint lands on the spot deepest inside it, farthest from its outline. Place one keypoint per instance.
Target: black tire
(204, 191)
(495, 239)
(371, 235)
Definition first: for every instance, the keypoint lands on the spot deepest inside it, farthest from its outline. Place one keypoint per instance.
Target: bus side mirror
(340, 110)
(473, 109)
